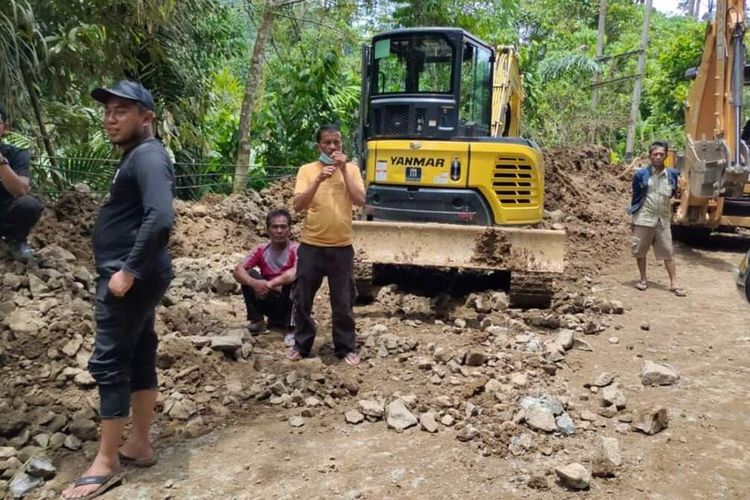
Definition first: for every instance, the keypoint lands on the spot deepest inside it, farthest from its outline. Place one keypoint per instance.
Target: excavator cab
(429, 84)
(448, 179)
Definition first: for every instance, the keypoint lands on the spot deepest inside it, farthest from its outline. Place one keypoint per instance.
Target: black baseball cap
(126, 89)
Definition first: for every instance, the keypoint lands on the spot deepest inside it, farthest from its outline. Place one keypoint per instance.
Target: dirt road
(703, 454)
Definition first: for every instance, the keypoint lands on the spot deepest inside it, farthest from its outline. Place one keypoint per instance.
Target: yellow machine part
(709, 124)
(510, 176)
(450, 245)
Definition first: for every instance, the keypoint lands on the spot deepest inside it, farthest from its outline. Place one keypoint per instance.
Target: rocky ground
(516, 402)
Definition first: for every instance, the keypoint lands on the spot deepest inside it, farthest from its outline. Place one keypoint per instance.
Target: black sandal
(105, 484)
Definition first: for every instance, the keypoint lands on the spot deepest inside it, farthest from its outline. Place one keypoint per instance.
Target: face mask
(325, 159)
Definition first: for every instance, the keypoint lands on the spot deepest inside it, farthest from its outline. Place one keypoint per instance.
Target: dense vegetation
(196, 56)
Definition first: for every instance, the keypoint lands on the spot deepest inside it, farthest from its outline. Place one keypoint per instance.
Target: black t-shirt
(132, 229)
(19, 160)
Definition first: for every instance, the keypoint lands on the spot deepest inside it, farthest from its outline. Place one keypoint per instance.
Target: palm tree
(22, 51)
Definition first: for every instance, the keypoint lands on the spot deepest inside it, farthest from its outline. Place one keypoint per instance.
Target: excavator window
(476, 86)
(413, 65)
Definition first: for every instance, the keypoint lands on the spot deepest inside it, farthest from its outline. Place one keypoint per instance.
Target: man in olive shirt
(327, 189)
(653, 189)
(19, 211)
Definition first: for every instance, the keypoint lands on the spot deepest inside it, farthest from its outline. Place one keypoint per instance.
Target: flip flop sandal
(352, 359)
(136, 462)
(293, 355)
(289, 340)
(105, 484)
(678, 292)
(641, 285)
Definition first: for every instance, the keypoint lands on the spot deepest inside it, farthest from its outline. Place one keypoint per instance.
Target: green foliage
(558, 61)
(195, 54)
(490, 20)
(666, 86)
(308, 88)
(23, 50)
(577, 65)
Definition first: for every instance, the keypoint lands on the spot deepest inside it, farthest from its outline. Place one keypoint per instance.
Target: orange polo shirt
(328, 222)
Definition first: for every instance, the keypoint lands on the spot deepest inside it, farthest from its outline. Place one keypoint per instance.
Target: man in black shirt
(19, 211)
(130, 250)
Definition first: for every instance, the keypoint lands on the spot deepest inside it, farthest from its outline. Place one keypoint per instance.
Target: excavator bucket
(454, 246)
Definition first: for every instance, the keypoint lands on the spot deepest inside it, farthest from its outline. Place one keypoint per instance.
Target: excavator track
(531, 290)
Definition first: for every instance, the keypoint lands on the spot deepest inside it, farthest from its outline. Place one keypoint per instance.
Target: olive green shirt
(656, 207)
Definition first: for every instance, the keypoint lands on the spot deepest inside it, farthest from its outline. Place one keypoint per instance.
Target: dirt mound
(213, 226)
(69, 223)
(584, 195)
(219, 225)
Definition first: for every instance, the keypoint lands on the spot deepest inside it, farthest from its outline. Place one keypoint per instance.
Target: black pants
(337, 264)
(276, 306)
(124, 358)
(18, 216)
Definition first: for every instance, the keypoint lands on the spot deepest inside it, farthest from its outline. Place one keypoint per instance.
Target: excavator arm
(716, 159)
(507, 94)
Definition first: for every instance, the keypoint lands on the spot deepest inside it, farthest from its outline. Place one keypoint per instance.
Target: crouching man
(266, 277)
(19, 211)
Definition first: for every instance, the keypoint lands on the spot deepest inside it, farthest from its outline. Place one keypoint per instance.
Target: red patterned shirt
(270, 262)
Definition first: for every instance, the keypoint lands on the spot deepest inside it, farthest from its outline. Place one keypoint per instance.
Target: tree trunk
(39, 117)
(635, 105)
(251, 88)
(693, 8)
(599, 54)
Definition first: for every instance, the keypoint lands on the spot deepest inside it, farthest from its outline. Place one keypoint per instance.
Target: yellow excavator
(450, 183)
(715, 161)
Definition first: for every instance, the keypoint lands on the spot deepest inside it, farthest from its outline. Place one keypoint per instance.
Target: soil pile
(584, 195)
(69, 223)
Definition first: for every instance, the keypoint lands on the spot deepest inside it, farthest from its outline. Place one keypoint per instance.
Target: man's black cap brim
(104, 95)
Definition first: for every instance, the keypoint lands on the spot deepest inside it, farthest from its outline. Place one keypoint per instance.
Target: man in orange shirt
(327, 189)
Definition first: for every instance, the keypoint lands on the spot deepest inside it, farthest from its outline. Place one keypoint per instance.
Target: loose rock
(475, 357)
(574, 476)
(40, 467)
(565, 338)
(398, 416)
(612, 395)
(658, 374)
(565, 424)
(606, 457)
(84, 429)
(226, 343)
(427, 422)
(296, 421)
(72, 443)
(468, 433)
(354, 417)
(371, 409)
(22, 483)
(650, 420)
(603, 380)
(540, 418)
